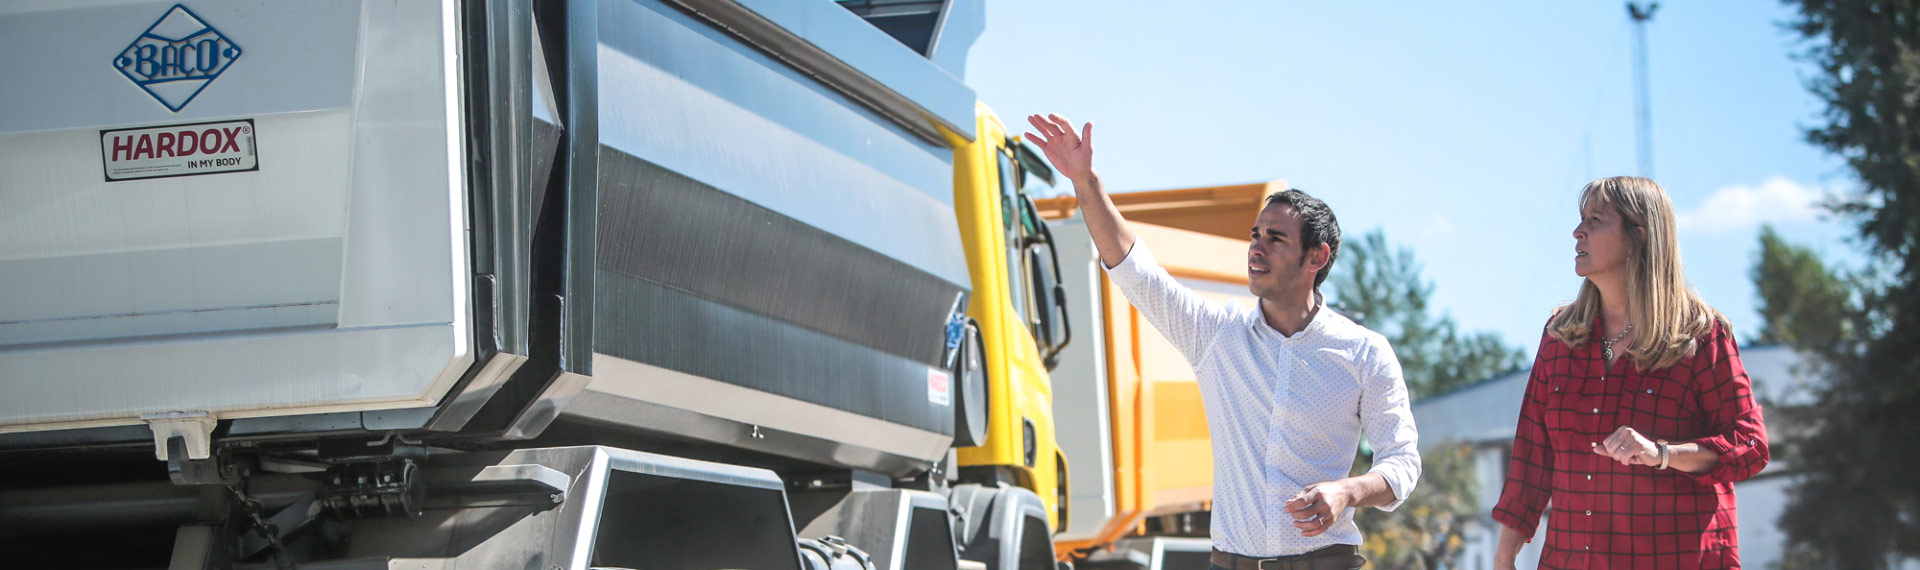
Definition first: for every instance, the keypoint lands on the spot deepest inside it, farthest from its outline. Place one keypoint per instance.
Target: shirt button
(1586, 548)
(1596, 410)
(1589, 477)
(1649, 390)
(1589, 513)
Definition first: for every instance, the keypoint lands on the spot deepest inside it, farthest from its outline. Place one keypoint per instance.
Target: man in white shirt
(1289, 386)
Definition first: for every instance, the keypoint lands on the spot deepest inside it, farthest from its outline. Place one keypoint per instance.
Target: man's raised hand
(1072, 156)
(1070, 153)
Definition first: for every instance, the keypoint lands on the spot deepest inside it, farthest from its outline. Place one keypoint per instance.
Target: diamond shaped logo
(177, 57)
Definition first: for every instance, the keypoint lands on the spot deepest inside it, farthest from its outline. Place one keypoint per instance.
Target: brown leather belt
(1336, 557)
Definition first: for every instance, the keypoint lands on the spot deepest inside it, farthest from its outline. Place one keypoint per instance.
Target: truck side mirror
(1048, 295)
(1046, 313)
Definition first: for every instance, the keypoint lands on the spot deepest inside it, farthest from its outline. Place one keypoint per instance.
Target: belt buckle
(1278, 564)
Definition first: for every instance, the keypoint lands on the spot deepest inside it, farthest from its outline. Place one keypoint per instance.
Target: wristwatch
(1665, 454)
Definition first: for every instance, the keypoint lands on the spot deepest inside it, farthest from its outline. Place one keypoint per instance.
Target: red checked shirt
(1608, 515)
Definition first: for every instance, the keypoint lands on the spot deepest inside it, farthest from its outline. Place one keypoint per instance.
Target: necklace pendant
(1607, 353)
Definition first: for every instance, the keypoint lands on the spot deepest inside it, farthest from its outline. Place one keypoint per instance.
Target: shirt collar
(1259, 324)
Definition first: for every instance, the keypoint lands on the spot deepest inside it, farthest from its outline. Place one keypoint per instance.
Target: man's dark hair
(1317, 225)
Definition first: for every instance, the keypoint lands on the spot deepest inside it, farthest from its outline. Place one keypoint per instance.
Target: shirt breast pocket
(1560, 399)
(1657, 408)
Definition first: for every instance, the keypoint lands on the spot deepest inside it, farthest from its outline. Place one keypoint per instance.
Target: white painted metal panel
(331, 278)
(1082, 421)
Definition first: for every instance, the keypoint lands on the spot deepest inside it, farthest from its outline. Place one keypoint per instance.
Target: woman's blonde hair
(1667, 316)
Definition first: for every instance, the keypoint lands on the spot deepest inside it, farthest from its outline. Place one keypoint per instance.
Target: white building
(1483, 415)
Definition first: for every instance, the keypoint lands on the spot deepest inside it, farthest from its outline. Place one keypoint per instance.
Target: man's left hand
(1316, 507)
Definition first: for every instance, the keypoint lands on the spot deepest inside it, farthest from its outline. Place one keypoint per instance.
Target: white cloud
(1778, 201)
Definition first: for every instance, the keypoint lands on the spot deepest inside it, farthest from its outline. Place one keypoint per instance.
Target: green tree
(1803, 304)
(1382, 288)
(1428, 530)
(1856, 505)
(1806, 306)
(1809, 307)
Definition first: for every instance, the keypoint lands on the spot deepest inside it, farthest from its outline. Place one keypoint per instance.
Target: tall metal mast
(1643, 99)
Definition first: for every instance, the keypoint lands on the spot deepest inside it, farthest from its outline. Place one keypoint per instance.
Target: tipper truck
(526, 284)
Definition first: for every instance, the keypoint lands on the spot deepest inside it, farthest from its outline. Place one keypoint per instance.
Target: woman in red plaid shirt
(1638, 418)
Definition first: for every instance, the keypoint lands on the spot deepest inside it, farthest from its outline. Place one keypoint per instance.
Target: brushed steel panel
(681, 94)
(663, 227)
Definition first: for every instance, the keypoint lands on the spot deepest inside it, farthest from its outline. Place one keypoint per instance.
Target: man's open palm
(1071, 154)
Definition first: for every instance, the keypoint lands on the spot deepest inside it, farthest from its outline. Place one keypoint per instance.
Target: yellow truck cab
(1019, 305)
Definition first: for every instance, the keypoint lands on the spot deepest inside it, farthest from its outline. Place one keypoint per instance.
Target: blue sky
(1464, 130)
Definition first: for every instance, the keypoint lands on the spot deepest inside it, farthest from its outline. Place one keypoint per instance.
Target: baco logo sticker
(177, 57)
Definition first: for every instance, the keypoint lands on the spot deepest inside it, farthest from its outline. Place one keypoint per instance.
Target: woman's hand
(1628, 447)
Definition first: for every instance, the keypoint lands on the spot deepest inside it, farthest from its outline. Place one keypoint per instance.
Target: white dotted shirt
(1285, 412)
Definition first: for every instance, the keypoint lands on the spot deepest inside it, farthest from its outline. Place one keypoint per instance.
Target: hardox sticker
(178, 150)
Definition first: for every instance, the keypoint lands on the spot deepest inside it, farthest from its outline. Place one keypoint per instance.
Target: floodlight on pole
(1643, 98)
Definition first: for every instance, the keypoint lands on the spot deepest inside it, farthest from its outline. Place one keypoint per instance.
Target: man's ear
(1317, 256)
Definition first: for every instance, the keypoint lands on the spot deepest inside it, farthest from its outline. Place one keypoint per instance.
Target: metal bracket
(271, 532)
(218, 470)
(377, 488)
(499, 485)
(194, 428)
